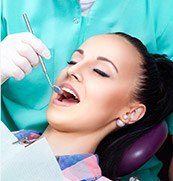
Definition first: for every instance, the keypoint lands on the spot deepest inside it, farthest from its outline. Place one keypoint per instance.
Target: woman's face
(102, 75)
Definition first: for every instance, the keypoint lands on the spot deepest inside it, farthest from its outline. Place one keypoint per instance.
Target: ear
(136, 113)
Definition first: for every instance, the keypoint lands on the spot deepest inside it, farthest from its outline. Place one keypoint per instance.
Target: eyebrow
(80, 51)
(99, 58)
(107, 60)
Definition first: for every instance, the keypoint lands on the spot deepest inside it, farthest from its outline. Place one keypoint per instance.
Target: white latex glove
(19, 54)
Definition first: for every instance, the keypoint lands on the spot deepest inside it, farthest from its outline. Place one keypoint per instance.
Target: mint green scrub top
(60, 25)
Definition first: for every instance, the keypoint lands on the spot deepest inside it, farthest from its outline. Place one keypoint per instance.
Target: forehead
(113, 47)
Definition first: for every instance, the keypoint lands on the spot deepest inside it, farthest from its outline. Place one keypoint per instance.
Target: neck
(67, 143)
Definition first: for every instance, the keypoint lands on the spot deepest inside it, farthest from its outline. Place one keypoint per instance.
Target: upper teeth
(70, 91)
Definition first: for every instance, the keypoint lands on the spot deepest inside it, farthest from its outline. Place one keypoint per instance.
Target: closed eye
(71, 62)
(103, 74)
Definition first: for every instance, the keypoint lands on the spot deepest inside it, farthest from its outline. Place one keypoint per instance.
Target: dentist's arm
(19, 54)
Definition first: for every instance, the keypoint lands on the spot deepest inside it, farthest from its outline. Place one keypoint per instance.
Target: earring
(120, 123)
(125, 116)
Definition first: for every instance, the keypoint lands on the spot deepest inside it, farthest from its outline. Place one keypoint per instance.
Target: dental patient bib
(34, 162)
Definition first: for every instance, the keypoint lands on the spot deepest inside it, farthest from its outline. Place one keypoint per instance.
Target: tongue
(70, 100)
(67, 95)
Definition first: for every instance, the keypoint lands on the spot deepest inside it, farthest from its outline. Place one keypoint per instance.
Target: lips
(68, 97)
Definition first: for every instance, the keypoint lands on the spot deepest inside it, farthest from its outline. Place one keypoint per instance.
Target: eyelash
(71, 62)
(103, 74)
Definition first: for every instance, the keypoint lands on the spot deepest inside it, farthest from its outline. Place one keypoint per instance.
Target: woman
(113, 92)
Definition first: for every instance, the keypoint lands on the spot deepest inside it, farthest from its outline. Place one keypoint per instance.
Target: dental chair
(142, 150)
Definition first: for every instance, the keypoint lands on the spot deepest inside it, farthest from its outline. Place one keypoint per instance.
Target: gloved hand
(19, 54)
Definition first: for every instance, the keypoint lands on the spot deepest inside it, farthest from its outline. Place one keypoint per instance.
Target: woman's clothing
(85, 167)
(79, 167)
(61, 26)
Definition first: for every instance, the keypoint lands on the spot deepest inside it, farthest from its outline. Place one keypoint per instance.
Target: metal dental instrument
(54, 87)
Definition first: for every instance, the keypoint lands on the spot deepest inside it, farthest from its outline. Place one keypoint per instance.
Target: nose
(75, 72)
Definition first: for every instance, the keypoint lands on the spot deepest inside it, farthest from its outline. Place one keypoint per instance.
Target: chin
(58, 119)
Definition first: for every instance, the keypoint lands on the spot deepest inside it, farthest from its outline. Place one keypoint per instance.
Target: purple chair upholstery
(143, 149)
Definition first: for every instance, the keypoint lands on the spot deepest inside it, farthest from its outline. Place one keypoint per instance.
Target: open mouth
(68, 96)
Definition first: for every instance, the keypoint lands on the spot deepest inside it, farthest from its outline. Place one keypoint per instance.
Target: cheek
(108, 101)
(101, 109)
